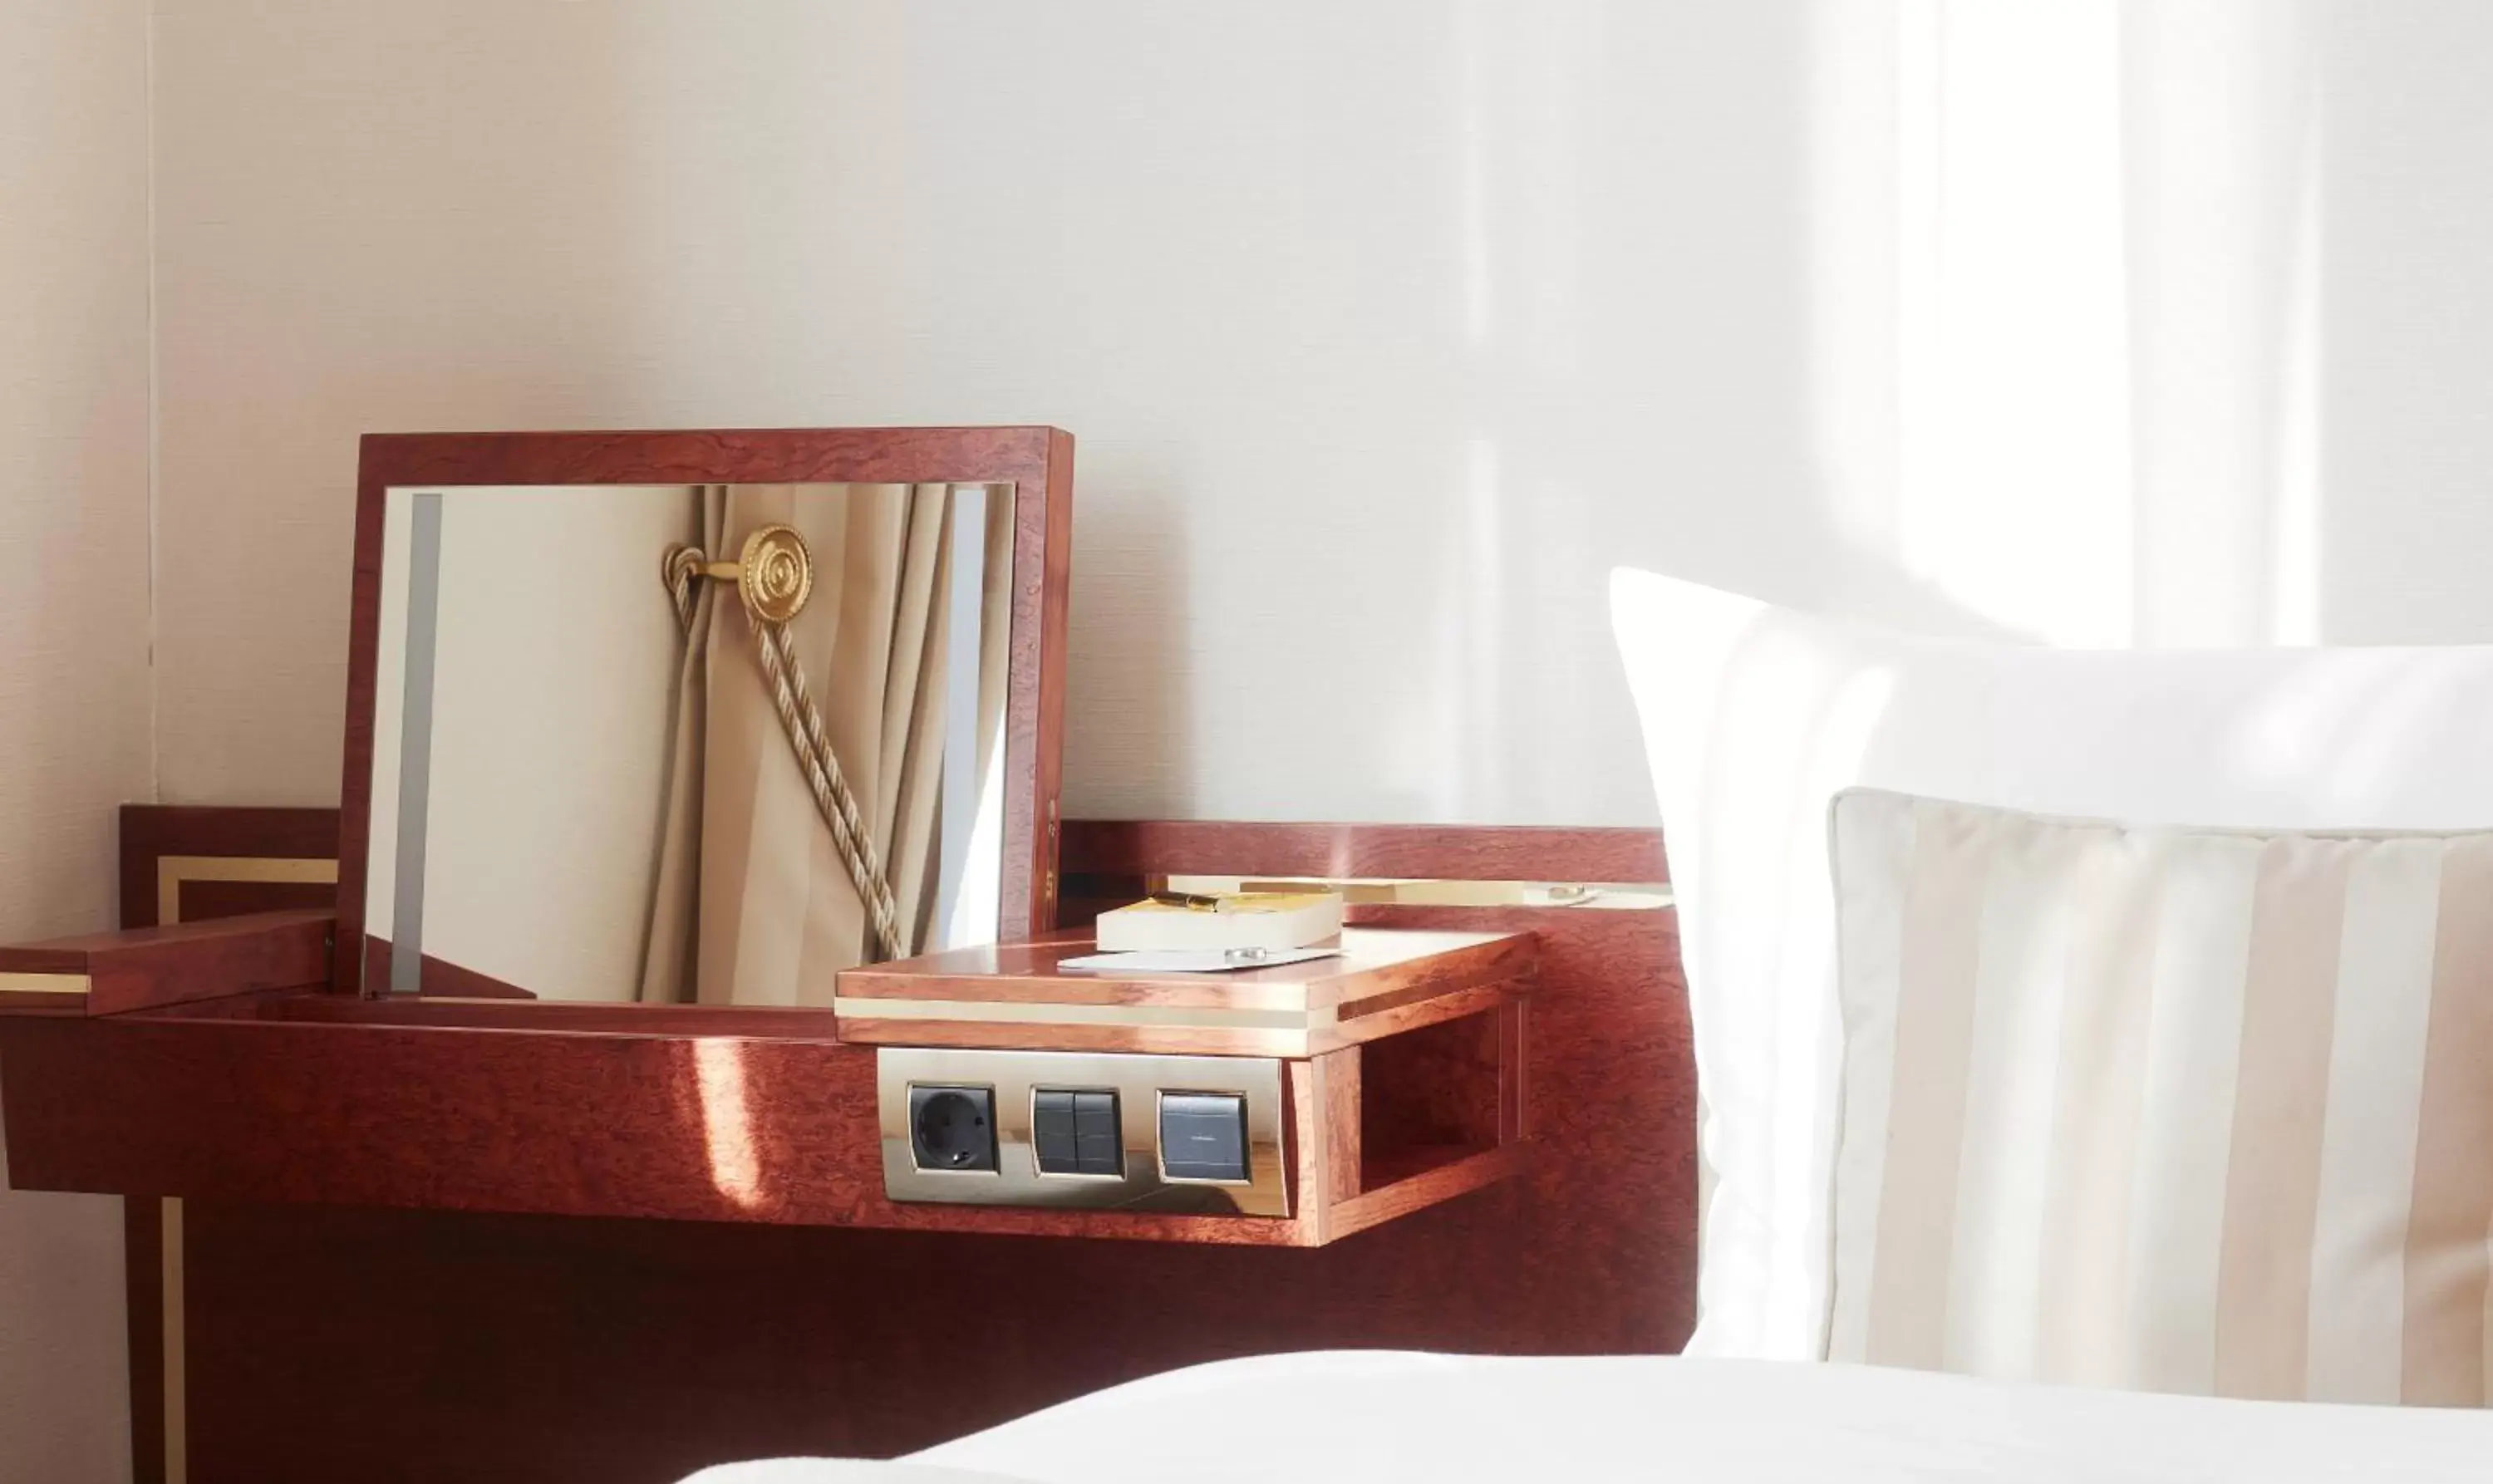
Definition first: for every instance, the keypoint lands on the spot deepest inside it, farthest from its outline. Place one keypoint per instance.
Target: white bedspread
(1371, 1418)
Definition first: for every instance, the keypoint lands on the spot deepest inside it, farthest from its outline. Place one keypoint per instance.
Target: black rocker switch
(1051, 1130)
(1077, 1133)
(1098, 1146)
(1202, 1136)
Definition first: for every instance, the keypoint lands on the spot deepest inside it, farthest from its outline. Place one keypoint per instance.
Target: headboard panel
(317, 1342)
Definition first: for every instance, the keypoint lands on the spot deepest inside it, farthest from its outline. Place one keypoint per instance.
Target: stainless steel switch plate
(1137, 1081)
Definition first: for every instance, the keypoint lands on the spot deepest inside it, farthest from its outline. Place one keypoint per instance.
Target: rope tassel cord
(774, 571)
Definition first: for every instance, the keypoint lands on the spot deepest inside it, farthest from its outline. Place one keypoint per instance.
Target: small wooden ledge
(147, 968)
(1017, 996)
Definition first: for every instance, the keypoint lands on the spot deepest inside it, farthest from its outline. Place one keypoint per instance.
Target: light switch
(1099, 1147)
(1202, 1136)
(1052, 1132)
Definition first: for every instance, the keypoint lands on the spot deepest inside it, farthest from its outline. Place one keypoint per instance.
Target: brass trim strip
(1012, 1012)
(1369, 891)
(174, 1329)
(171, 871)
(45, 983)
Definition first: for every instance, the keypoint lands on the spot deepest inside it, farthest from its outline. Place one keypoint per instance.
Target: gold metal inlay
(43, 984)
(1028, 1013)
(1614, 896)
(171, 871)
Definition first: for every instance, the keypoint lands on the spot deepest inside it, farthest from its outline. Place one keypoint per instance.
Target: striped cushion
(2183, 1110)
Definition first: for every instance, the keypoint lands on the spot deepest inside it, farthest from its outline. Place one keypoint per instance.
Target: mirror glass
(685, 743)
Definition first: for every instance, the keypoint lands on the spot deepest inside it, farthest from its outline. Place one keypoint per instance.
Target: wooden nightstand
(294, 1117)
(1368, 1085)
(1378, 1083)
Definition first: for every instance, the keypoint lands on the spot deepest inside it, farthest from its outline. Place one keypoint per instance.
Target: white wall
(73, 624)
(1387, 329)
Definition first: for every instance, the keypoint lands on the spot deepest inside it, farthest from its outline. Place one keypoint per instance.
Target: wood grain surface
(144, 968)
(150, 832)
(330, 1342)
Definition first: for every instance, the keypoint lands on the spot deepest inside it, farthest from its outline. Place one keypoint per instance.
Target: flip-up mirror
(699, 717)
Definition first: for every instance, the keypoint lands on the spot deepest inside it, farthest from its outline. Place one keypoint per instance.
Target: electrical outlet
(1082, 1130)
(952, 1127)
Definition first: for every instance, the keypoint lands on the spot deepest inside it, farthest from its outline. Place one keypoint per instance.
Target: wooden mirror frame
(1037, 462)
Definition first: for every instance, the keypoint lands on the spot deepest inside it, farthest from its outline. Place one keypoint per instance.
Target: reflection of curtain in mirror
(667, 951)
(771, 909)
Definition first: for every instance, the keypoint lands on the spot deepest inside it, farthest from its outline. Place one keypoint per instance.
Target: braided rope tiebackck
(802, 721)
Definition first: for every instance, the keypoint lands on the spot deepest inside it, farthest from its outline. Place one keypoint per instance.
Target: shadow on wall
(1128, 723)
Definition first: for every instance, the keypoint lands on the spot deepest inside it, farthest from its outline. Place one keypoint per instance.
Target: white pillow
(2162, 1108)
(1755, 716)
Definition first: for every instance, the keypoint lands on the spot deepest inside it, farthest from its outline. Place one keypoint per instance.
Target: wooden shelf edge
(580, 1121)
(1442, 1182)
(145, 969)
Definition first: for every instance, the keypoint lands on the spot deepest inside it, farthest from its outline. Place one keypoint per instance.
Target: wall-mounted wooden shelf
(1017, 996)
(113, 973)
(254, 1317)
(213, 1089)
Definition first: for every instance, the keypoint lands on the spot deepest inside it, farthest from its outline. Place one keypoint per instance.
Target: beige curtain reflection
(771, 912)
(668, 952)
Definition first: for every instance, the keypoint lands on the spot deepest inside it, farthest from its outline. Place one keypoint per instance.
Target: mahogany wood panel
(16, 1003)
(145, 968)
(150, 832)
(330, 1343)
(502, 1012)
(535, 1120)
(1338, 1077)
(204, 901)
(1136, 847)
(1406, 1194)
(1038, 461)
(1381, 984)
(333, 1342)
(1374, 971)
(1437, 1085)
(143, 1229)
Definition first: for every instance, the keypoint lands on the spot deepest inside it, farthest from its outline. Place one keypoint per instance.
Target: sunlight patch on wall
(2014, 428)
(2225, 237)
(2296, 613)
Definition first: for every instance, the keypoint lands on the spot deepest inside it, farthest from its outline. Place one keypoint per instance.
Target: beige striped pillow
(2182, 1110)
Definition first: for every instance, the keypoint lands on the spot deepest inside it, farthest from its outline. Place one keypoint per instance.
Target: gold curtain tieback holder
(775, 575)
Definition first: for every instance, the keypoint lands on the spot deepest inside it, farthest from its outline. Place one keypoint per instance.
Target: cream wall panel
(73, 627)
(1387, 328)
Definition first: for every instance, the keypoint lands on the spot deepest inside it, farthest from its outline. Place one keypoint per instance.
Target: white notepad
(1188, 961)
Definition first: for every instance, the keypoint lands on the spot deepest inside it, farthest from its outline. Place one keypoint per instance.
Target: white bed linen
(1378, 1417)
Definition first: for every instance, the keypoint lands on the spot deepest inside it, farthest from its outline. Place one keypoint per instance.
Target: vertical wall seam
(154, 444)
